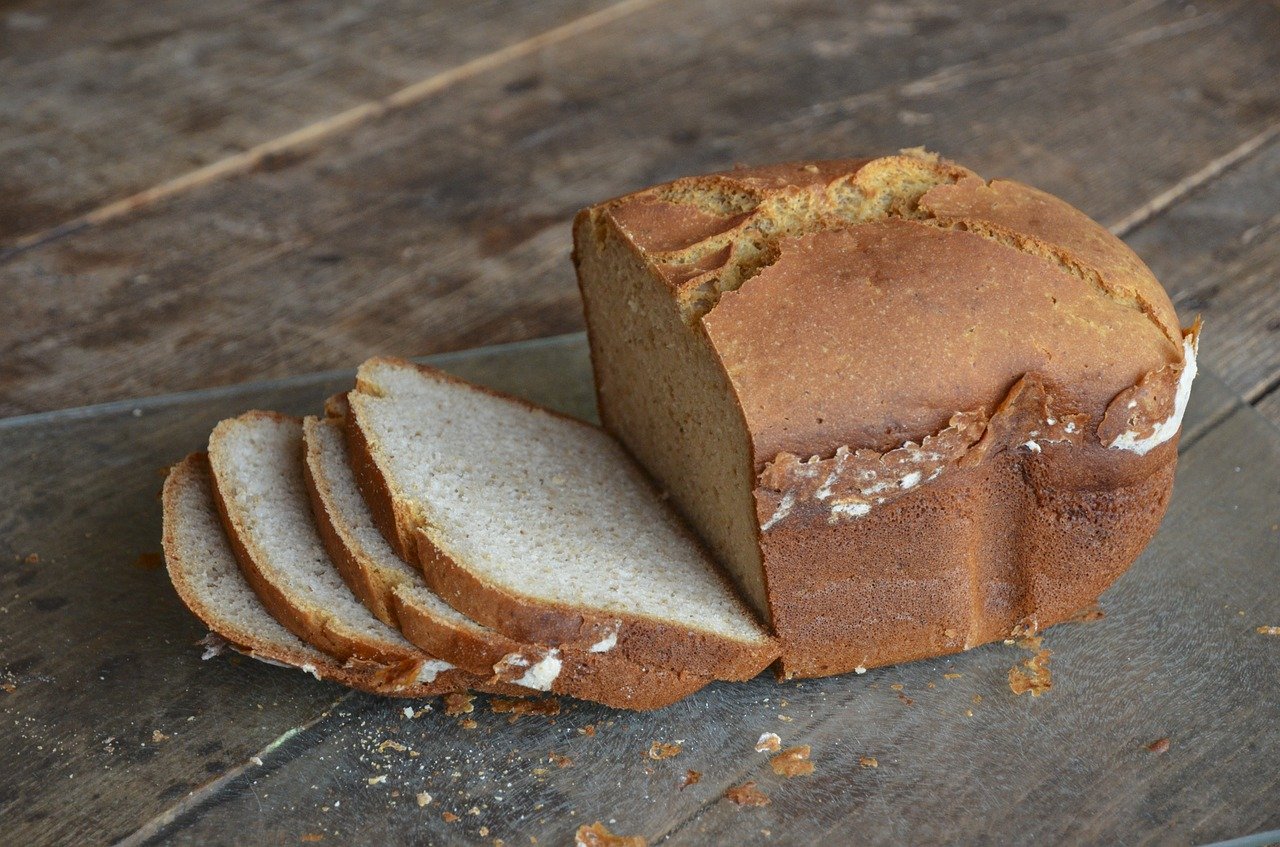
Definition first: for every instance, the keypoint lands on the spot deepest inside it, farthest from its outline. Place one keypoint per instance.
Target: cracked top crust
(863, 303)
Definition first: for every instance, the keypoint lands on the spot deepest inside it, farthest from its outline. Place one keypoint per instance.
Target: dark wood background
(197, 194)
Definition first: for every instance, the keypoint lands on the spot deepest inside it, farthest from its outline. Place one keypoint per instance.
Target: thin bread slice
(399, 596)
(540, 526)
(204, 572)
(260, 493)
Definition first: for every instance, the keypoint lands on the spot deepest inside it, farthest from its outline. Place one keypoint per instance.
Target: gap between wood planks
(326, 127)
(203, 794)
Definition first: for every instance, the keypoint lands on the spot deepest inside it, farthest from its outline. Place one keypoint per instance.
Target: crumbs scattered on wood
(598, 835)
(157, 736)
(459, 703)
(868, 761)
(589, 729)
(467, 723)
(558, 760)
(449, 817)
(1160, 745)
(663, 750)
(389, 744)
(32, 559)
(377, 780)
(747, 794)
(952, 675)
(792, 762)
(424, 799)
(516, 708)
(1269, 630)
(769, 742)
(690, 778)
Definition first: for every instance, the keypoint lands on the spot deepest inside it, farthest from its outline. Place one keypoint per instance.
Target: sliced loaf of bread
(203, 570)
(397, 594)
(257, 462)
(540, 526)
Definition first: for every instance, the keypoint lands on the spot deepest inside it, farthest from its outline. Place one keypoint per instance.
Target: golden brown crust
(860, 307)
(598, 677)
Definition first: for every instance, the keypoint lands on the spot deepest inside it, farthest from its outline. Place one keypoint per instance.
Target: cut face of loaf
(205, 574)
(400, 598)
(907, 408)
(258, 486)
(540, 527)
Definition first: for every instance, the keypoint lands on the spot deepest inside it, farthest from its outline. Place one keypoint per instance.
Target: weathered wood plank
(1218, 253)
(97, 654)
(1173, 658)
(101, 100)
(446, 225)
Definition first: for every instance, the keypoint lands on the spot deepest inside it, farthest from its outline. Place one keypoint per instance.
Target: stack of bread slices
(426, 536)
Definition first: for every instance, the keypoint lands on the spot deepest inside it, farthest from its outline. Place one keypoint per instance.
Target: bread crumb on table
(1269, 630)
(390, 744)
(558, 760)
(769, 742)
(747, 794)
(449, 817)
(459, 703)
(1160, 745)
(663, 750)
(516, 708)
(792, 762)
(424, 799)
(598, 835)
(690, 778)
(868, 761)
(1032, 675)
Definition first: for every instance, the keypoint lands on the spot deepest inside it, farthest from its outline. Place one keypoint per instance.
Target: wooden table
(195, 196)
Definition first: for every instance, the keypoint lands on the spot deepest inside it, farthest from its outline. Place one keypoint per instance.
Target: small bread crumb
(389, 744)
(459, 703)
(558, 760)
(769, 742)
(516, 708)
(747, 794)
(1036, 677)
(690, 778)
(952, 675)
(1269, 630)
(793, 762)
(449, 817)
(377, 780)
(663, 750)
(157, 736)
(467, 723)
(424, 799)
(597, 835)
(868, 762)
(1160, 745)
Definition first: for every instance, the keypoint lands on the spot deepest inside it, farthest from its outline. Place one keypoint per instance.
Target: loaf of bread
(908, 408)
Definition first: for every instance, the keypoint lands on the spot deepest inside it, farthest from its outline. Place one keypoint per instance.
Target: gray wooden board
(96, 648)
(445, 225)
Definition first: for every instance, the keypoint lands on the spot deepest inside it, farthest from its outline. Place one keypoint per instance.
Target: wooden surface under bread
(119, 730)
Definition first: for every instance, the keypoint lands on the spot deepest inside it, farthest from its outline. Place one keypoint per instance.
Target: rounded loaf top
(863, 303)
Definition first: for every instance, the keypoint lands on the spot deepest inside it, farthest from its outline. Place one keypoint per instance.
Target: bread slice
(540, 526)
(205, 574)
(259, 490)
(397, 594)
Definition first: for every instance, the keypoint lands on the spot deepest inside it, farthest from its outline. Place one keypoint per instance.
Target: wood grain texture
(1173, 658)
(101, 100)
(445, 225)
(1218, 254)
